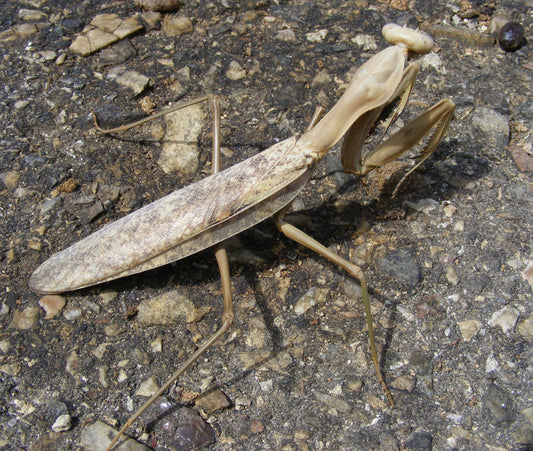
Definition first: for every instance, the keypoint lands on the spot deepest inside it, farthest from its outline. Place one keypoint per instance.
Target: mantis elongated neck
(372, 85)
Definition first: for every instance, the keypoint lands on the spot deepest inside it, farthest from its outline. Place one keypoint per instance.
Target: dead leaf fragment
(68, 186)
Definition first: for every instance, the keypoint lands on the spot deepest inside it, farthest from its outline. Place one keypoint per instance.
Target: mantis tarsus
(224, 204)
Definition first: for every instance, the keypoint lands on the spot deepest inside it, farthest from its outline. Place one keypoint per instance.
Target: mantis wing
(181, 223)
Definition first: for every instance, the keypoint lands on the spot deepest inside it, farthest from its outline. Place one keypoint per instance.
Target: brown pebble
(25, 319)
(511, 36)
(257, 427)
(213, 401)
(52, 304)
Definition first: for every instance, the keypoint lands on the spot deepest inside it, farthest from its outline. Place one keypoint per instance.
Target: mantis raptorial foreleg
(436, 118)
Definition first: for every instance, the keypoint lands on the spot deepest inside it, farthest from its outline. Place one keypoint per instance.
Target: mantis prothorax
(224, 204)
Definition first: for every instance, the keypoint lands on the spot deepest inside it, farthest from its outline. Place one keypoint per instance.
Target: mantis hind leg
(223, 265)
(295, 234)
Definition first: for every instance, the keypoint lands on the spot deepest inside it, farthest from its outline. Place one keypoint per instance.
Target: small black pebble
(511, 36)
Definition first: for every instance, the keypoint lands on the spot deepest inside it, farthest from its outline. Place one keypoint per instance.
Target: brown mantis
(224, 204)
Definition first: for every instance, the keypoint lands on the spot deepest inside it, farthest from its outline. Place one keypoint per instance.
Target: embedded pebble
(527, 274)
(152, 19)
(404, 383)
(523, 427)
(522, 154)
(351, 288)
(419, 441)
(180, 147)
(11, 369)
(312, 297)
(31, 15)
(423, 205)
(355, 386)
(52, 304)
(49, 205)
(242, 403)
(62, 423)
(451, 275)
(402, 266)
(388, 443)
(235, 71)
(286, 35)
(177, 25)
(257, 427)
(106, 296)
(366, 42)
(10, 179)
(494, 127)
(113, 330)
(525, 328)
(469, 329)
(421, 361)
(122, 376)
(258, 333)
(72, 313)
(317, 36)
(212, 401)
(25, 319)
(148, 388)
(168, 308)
(102, 370)
(459, 226)
(35, 244)
(334, 402)
(4, 309)
(282, 361)
(506, 318)
(99, 351)
(98, 436)
(252, 358)
(47, 55)
(157, 345)
(73, 361)
(5, 346)
(130, 79)
(18, 31)
(449, 210)
(491, 364)
(323, 77)
(497, 406)
(116, 54)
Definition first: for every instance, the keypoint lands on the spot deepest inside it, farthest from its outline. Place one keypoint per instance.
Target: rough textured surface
(447, 270)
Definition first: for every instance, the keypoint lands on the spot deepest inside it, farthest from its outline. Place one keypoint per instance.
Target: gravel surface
(449, 260)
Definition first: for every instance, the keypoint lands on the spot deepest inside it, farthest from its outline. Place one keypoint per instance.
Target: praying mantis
(208, 212)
